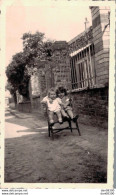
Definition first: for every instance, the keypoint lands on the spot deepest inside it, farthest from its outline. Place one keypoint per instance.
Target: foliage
(33, 47)
(15, 70)
(10, 88)
(23, 88)
(36, 49)
(16, 73)
(22, 65)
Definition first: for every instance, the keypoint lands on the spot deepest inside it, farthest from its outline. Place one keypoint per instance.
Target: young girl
(54, 106)
(66, 103)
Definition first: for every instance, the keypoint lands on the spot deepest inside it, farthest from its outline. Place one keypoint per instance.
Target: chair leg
(48, 129)
(78, 128)
(52, 132)
(70, 125)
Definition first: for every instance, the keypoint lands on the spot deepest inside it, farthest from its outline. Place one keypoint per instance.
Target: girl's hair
(61, 90)
(51, 90)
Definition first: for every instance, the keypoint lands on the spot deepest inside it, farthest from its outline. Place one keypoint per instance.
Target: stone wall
(24, 107)
(36, 103)
(42, 81)
(61, 64)
(49, 77)
(56, 71)
(92, 106)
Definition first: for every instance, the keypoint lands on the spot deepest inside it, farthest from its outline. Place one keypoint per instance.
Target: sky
(56, 21)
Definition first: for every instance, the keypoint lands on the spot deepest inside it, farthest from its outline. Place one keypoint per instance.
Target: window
(82, 68)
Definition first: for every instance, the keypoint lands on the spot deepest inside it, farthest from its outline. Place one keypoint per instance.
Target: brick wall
(101, 43)
(61, 64)
(54, 72)
(92, 106)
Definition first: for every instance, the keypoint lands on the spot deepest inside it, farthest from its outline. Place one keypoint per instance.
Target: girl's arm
(60, 101)
(44, 101)
(68, 102)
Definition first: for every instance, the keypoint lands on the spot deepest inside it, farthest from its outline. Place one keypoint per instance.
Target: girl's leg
(70, 113)
(64, 114)
(50, 115)
(59, 116)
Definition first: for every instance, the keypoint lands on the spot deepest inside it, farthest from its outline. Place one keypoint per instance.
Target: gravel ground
(69, 158)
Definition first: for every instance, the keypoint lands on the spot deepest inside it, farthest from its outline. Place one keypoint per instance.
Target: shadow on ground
(69, 158)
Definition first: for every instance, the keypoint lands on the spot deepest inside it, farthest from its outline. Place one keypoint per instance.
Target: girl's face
(52, 95)
(61, 95)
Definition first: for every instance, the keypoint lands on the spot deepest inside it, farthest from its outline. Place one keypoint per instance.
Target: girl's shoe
(51, 122)
(66, 117)
(60, 121)
(75, 118)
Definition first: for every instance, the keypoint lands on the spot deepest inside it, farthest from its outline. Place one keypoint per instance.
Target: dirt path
(68, 159)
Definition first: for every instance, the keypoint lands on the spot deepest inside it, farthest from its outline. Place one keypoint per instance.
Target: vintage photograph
(57, 78)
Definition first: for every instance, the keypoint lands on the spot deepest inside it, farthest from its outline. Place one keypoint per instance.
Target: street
(14, 130)
(32, 157)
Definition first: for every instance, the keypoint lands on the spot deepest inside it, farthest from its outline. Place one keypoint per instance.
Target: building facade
(89, 61)
(101, 39)
(89, 52)
(81, 66)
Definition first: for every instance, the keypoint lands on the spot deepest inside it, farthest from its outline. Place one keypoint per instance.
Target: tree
(15, 69)
(33, 47)
(22, 65)
(16, 74)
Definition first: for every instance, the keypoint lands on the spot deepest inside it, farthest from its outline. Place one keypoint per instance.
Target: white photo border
(111, 115)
